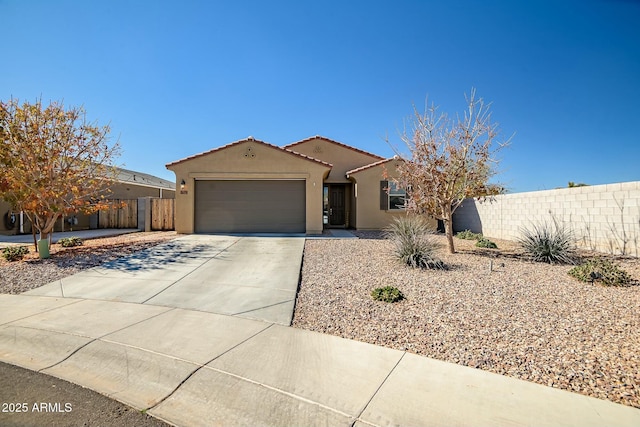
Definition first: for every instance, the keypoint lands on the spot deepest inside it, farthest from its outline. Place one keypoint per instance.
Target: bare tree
(450, 160)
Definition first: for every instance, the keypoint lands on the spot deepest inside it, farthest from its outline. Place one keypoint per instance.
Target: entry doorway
(334, 205)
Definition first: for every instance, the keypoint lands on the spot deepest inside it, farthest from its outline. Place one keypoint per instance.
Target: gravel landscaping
(490, 309)
(526, 320)
(20, 276)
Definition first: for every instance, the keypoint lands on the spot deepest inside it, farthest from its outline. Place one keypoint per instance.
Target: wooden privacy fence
(155, 214)
(123, 214)
(162, 214)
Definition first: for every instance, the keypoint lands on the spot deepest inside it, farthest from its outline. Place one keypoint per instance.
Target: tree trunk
(43, 248)
(45, 231)
(448, 228)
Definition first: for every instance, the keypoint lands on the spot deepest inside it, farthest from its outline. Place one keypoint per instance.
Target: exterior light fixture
(182, 184)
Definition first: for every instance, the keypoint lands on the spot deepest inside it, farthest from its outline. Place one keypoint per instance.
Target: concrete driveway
(251, 277)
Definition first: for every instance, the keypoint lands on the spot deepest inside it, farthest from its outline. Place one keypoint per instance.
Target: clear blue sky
(181, 77)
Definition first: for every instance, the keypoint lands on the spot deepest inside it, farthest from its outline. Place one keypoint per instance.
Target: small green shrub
(486, 243)
(550, 243)
(387, 294)
(602, 271)
(468, 235)
(414, 242)
(14, 253)
(67, 242)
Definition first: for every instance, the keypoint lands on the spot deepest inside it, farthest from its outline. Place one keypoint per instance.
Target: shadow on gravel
(369, 235)
(493, 253)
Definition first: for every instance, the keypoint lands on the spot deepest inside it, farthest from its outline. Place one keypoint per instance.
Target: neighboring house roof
(127, 176)
(288, 146)
(250, 139)
(372, 165)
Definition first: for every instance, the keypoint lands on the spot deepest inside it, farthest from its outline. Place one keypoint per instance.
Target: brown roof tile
(333, 142)
(294, 153)
(361, 168)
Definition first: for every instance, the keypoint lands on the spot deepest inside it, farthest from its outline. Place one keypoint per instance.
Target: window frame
(394, 192)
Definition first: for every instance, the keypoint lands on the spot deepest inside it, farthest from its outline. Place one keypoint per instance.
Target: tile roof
(361, 168)
(333, 142)
(252, 139)
(127, 176)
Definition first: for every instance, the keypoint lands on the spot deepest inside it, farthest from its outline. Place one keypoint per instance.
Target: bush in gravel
(387, 294)
(550, 243)
(468, 235)
(14, 253)
(67, 242)
(601, 271)
(486, 243)
(414, 242)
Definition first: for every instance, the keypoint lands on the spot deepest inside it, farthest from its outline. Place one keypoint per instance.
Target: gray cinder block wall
(603, 217)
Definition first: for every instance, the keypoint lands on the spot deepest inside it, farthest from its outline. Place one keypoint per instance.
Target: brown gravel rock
(30, 273)
(490, 310)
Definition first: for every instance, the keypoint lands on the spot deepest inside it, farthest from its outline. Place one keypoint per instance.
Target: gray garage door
(250, 207)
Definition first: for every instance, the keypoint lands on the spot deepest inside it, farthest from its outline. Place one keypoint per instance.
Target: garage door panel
(250, 206)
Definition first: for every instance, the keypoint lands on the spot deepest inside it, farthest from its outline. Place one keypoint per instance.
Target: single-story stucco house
(304, 187)
(128, 185)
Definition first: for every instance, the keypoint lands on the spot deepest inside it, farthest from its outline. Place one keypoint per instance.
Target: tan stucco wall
(248, 160)
(133, 191)
(342, 158)
(369, 216)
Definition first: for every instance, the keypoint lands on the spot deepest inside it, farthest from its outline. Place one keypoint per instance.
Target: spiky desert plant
(553, 243)
(414, 242)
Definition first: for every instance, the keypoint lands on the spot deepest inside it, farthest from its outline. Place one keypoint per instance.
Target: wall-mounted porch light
(182, 184)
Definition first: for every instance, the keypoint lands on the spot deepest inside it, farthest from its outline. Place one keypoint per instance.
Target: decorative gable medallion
(249, 153)
(317, 149)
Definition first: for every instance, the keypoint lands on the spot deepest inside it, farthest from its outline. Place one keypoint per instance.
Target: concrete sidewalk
(192, 368)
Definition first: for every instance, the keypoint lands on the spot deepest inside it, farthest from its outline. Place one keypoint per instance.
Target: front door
(336, 205)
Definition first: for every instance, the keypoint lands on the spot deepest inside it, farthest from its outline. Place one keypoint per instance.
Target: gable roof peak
(332, 141)
(249, 139)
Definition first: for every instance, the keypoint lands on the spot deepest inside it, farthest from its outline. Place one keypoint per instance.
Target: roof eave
(371, 165)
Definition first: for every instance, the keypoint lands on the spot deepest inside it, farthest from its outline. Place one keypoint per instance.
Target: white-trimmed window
(396, 196)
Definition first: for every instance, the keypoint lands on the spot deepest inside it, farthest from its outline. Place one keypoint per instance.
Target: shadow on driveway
(164, 255)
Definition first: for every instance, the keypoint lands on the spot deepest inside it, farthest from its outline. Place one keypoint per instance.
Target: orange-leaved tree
(450, 160)
(53, 162)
